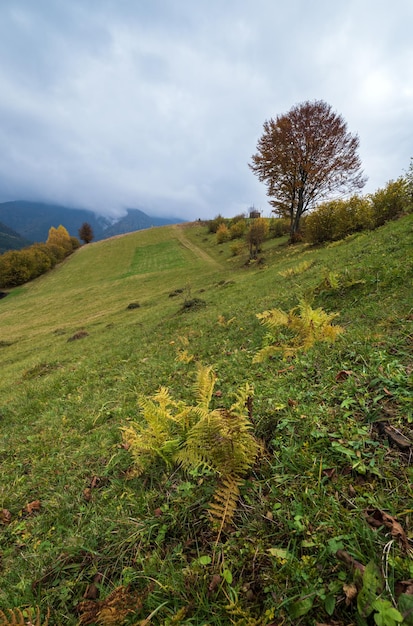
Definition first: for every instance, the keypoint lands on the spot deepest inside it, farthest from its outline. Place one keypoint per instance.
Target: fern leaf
(266, 353)
(17, 618)
(308, 326)
(204, 385)
(273, 318)
(224, 503)
(242, 396)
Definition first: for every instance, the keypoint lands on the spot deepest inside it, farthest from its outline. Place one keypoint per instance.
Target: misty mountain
(32, 220)
(10, 239)
(135, 219)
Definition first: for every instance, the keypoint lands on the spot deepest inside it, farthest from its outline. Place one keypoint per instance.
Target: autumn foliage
(19, 266)
(305, 156)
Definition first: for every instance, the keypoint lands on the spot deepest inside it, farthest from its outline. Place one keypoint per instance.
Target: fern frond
(204, 385)
(223, 442)
(204, 441)
(241, 398)
(266, 353)
(183, 356)
(308, 326)
(273, 318)
(17, 618)
(225, 501)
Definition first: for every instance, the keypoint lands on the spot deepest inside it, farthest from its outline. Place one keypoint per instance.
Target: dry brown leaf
(87, 494)
(5, 516)
(215, 581)
(112, 611)
(350, 592)
(377, 519)
(286, 369)
(343, 375)
(349, 560)
(404, 586)
(32, 507)
(92, 591)
(94, 482)
(352, 492)
(397, 437)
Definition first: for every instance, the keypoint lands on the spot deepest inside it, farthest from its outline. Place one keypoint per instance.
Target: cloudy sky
(158, 104)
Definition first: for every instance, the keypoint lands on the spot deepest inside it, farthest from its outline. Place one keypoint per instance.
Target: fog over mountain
(32, 220)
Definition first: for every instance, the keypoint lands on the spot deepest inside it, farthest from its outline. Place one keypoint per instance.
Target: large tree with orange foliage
(305, 156)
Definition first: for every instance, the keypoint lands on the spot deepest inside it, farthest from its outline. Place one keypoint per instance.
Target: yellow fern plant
(198, 436)
(17, 617)
(305, 325)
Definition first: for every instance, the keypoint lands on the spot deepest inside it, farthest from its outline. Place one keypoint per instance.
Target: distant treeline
(19, 266)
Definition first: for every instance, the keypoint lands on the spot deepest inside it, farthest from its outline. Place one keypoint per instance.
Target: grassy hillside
(85, 538)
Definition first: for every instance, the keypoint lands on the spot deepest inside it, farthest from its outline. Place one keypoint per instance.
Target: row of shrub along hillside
(338, 218)
(331, 220)
(19, 266)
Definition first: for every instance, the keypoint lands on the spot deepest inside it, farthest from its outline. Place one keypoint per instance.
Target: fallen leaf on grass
(94, 482)
(349, 560)
(5, 516)
(32, 507)
(87, 494)
(377, 519)
(215, 581)
(112, 611)
(286, 369)
(343, 375)
(92, 591)
(404, 586)
(350, 593)
(395, 436)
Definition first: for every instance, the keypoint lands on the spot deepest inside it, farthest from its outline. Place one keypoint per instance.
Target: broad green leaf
(301, 607)
(372, 584)
(405, 605)
(330, 604)
(280, 553)
(227, 576)
(204, 560)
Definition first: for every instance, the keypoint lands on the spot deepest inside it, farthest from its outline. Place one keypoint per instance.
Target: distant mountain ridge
(10, 239)
(32, 220)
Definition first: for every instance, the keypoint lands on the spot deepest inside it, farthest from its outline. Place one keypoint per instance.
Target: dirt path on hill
(201, 254)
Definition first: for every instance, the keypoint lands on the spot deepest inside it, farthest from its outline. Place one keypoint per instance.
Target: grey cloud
(109, 104)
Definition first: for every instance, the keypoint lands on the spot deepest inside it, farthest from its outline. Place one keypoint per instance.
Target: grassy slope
(62, 404)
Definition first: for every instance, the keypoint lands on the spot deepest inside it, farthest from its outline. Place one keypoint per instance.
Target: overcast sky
(159, 104)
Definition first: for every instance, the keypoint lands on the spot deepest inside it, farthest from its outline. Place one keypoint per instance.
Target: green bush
(214, 224)
(237, 247)
(338, 218)
(238, 228)
(279, 226)
(392, 201)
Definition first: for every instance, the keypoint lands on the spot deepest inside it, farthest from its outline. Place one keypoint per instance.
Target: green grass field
(323, 530)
